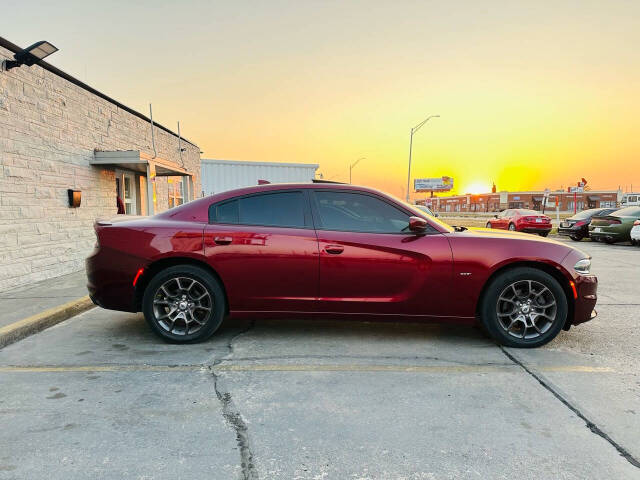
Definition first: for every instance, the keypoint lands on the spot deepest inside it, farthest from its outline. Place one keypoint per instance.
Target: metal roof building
(222, 175)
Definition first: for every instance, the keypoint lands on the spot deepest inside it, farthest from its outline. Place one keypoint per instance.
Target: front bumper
(584, 304)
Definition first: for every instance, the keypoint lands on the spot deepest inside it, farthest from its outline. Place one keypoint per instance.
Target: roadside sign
(441, 184)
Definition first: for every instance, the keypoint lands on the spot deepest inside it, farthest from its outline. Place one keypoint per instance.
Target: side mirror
(417, 224)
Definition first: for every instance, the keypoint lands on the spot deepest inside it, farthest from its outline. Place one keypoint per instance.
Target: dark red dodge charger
(333, 250)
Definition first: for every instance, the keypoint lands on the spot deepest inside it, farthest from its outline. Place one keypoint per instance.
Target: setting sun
(476, 187)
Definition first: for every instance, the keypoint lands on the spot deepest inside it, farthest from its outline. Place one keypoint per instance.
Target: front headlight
(583, 266)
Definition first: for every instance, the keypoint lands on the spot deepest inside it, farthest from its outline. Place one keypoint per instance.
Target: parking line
(301, 368)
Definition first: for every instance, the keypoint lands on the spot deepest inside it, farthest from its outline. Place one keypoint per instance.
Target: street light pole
(414, 130)
(353, 165)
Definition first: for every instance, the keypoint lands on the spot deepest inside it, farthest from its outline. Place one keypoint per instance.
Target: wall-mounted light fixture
(30, 55)
(75, 197)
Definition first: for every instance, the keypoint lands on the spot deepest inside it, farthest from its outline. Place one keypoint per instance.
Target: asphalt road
(99, 396)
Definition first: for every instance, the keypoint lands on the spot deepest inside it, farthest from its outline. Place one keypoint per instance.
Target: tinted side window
(226, 212)
(355, 212)
(284, 209)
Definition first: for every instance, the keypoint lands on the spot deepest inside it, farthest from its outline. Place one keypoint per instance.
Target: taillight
(613, 221)
(580, 223)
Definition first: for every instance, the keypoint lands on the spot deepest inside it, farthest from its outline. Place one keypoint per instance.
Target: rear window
(283, 209)
(528, 212)
(589, 213)
(627, 212)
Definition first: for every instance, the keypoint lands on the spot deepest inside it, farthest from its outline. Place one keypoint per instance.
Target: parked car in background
(615, 227)
(333, 250)
(521, 220)
(577, 227)
(631, 200)
(426, 210)
(635, 233)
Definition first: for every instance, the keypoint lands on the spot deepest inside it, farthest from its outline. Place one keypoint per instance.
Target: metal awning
(137, 161)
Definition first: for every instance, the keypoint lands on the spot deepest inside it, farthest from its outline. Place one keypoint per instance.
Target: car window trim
(308, 222)
(318, 222)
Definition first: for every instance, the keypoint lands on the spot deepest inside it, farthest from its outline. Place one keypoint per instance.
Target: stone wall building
(56, 134)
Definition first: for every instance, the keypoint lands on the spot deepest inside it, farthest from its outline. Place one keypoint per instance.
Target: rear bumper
(584, 305)
(535, 228)
(110, 277)
(569, 231)
(616, 236)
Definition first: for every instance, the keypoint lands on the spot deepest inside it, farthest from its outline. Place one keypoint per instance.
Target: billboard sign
(440, 184)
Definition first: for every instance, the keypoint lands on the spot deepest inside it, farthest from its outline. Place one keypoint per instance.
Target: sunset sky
(531, 94)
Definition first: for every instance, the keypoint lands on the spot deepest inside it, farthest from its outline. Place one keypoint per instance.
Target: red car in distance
(335, 250)
(521, 220)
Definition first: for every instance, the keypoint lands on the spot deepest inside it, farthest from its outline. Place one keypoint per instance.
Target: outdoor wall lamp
(75, 197)
(30, 55)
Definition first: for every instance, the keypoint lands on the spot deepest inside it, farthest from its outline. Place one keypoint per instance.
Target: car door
(265, 250)
(504, 219)
(369, 261)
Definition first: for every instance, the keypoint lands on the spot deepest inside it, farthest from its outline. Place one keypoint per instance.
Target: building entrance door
(126, 190)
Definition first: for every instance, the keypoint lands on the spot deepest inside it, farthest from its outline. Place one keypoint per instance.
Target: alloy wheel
(182, 305)
(526, 309)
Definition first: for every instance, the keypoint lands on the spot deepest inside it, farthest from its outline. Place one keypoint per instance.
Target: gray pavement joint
(232, 415)
(577, 411)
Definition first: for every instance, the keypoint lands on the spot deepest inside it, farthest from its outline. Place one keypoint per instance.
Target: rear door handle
(334, 249)
(222, 240)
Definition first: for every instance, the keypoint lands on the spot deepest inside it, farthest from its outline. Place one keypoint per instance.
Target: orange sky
(531, 94)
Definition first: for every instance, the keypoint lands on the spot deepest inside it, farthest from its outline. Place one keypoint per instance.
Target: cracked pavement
(99, 396)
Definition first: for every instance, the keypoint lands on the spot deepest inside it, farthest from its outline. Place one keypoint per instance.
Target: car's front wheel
(184, 304)
(488, 225)
(524, 307)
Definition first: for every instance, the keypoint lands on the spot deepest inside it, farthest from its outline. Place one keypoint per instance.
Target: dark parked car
(338, 251)
(615, 227)
(577, 227)
(521, 220)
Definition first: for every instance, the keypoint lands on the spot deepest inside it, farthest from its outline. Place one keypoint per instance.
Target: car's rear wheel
(608, 240)
(184, 304)
(524, 307)
(512, 227)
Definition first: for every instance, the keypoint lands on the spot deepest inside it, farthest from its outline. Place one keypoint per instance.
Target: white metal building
(222, 175)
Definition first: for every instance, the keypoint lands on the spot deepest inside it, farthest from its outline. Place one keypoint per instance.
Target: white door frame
(133, 188)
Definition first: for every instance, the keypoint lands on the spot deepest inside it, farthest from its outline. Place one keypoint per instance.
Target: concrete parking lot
(99, 396)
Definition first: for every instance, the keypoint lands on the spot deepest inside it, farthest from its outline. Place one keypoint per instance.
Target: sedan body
(615, 227)
(333, 250)
(521, 220)
(577, 226)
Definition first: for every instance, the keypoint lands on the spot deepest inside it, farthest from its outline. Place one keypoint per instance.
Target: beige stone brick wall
(49, 129)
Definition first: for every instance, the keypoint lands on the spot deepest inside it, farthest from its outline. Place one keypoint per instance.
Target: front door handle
(334, 249)
(222, 240)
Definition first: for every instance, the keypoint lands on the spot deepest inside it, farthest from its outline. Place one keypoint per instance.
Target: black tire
(490, 305)
(488, 225)
(544, 234)
(608, 240)
(512, 227)
(576, 238)
(209, 321)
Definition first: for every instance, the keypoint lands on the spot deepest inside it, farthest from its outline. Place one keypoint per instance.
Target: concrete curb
(36, 323)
